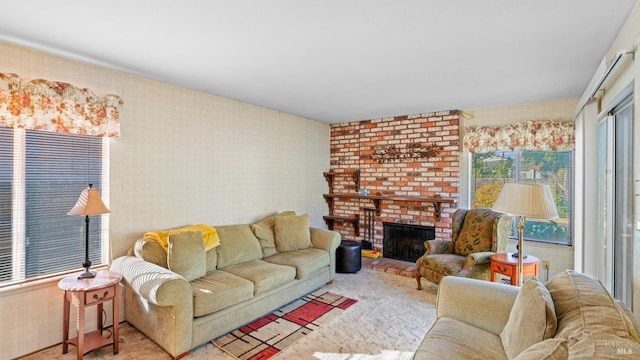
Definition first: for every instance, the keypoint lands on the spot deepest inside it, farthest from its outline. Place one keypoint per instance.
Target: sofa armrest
(483, 304)
(438, 247)
(325, 239)
(329, 241)
(155, 284)
(478, 258)
(159, 303)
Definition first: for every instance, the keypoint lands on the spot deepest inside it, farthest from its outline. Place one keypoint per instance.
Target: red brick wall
(359, 145)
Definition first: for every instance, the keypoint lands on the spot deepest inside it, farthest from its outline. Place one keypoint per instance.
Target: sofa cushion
(237, 245)
(305, 261)
(264, 276)
(476, 234)
(151, 251)
(212, 260)
(292, 233)
(264, 231)
(550, 349)
(632, 317)
(218, 290)
(453, 339)
(602, 345)
(532, 319)
(186, 256)
(583, 305)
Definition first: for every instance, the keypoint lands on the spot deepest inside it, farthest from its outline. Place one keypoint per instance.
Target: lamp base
(87, 274)
(515, 255)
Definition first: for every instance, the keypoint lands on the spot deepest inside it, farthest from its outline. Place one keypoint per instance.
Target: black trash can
(348, 257)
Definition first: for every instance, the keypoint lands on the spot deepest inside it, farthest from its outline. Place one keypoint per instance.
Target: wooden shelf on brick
(354, 220)
(330, 176)
(377, 199)
(331, 218)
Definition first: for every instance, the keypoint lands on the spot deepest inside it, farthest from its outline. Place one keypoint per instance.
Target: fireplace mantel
(378, 198)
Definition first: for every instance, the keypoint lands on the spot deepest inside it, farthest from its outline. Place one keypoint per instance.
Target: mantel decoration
(57, 106)
(410, 151)
(542, 135)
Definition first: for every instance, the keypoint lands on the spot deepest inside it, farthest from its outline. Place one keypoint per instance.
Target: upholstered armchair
(476, 234)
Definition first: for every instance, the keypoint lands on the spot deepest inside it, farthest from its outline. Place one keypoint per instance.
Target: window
(41, 177)
(616, 233)
(490, 170)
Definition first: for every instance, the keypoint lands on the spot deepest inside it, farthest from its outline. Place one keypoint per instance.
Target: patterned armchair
(476, 234)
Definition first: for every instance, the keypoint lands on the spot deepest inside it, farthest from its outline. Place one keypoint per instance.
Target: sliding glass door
(615, 200)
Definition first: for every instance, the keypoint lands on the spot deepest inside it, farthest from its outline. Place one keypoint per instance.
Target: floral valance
(542, 135)
(57, 106)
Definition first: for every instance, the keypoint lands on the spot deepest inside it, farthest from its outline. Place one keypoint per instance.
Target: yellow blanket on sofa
(209, 234)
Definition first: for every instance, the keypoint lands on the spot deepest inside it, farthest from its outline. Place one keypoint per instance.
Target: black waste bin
(348, 257)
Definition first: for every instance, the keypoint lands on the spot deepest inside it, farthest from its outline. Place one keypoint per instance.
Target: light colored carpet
(388, 322)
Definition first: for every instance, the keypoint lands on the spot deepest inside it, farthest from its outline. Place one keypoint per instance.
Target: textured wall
(184, 157)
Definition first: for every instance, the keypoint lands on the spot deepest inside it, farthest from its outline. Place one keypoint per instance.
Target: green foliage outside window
(486, 195)
(489, 171)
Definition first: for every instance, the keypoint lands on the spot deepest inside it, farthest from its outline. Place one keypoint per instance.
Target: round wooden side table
(507, 265)
(83, 293)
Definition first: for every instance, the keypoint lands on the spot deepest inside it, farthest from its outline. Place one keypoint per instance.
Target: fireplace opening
(404, 241)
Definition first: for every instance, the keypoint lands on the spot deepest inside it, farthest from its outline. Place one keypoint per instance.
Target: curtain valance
(541, 135)
(57, 106)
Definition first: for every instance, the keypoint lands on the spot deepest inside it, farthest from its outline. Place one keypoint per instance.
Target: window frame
(517, 178)
(18, 215)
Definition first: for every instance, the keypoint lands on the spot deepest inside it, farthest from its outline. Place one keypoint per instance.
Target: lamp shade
(89, 203)
(533, 201)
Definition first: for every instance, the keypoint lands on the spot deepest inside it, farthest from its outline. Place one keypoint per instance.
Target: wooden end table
(507, 265)
(89, 292)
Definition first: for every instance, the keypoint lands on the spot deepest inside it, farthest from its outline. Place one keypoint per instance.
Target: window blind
(41, 238)
(6, 174)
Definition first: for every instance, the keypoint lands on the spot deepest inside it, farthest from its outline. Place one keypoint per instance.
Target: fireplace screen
(405, 242)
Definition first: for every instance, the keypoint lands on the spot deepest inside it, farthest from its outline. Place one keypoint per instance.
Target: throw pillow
(186, 256)
(550, 349)
(264, 231)
(151, 251)
(583, 305)
(532, 319)
(209, 235)
(292, 233)
(603, 345)
(238, 245)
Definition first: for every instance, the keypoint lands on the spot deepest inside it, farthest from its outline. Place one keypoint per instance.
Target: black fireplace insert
(405, 241)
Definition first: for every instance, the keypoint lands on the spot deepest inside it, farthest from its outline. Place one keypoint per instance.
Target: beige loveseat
(255, 269)
(572, 316)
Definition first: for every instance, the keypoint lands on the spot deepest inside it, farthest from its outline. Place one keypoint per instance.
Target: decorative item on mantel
(410, 151)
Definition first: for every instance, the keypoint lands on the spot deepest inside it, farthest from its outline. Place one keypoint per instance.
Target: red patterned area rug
(267, 336)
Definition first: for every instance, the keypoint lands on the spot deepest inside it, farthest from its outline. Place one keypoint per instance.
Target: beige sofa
(572, 316)
(255, 269)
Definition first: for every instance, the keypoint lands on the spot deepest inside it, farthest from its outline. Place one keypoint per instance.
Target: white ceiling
(337, 60)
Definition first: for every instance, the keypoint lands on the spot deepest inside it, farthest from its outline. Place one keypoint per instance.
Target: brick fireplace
(402, 156)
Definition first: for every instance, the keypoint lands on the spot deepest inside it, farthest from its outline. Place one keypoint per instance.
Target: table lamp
(526, 201)
(89, 203)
